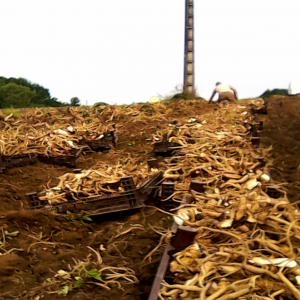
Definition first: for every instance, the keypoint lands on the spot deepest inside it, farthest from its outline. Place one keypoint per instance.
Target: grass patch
(15, 111)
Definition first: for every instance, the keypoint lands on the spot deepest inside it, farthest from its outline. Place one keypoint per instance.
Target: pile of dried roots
(248, 234)
(103, 180)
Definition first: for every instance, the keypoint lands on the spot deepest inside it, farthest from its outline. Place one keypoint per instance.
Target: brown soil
(282, 131)
(30, 268)
(23, 271)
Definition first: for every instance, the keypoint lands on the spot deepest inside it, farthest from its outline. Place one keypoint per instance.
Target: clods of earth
(47, 255)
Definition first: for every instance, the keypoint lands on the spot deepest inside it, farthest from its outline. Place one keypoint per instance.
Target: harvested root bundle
(248, 232)
(101, 181)
(45, 141)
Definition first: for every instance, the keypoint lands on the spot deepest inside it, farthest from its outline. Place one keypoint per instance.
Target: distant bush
(100, 104)
(182, 96)
(279, 92)
(75, 101)
(19, 92)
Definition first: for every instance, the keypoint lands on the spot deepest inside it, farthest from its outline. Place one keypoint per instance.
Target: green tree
(15, 95)
(75, 101)
(19, 92)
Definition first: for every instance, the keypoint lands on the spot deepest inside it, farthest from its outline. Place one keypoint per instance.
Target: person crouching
(227, 94)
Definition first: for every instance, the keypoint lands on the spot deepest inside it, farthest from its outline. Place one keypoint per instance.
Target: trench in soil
(282, 132)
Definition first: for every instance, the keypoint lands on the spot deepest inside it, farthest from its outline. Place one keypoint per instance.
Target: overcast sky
(123, 51)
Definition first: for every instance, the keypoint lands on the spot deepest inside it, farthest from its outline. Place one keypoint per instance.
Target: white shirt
(294, 88)
(223, 88)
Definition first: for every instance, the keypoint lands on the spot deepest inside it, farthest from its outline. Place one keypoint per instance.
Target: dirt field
(45, 243)
(30, 268)
(282, 131)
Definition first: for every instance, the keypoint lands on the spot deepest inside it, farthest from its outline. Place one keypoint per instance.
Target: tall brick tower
(189, 67)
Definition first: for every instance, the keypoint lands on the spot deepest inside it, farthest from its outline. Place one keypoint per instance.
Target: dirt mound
(282, 131)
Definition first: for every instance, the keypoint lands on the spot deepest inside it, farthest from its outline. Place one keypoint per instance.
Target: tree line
(20, 92)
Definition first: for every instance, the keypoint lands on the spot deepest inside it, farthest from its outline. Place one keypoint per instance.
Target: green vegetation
(75, 101)
(100, 104)
(17, 112)
(19, 92)
(269, 93)
(181, 96)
